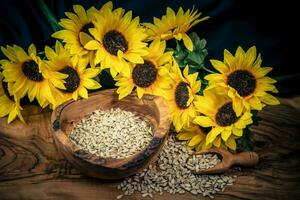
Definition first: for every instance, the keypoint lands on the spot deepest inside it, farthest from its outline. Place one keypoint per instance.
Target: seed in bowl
(113, 133)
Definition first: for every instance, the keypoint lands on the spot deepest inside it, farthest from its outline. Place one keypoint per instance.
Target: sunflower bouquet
(210, 107)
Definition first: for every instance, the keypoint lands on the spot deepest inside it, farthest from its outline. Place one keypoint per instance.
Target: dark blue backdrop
(266, 24)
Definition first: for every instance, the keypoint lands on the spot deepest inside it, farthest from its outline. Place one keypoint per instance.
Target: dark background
(270, 25)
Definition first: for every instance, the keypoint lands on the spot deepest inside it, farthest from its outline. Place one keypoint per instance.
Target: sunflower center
(6, 92)
(31, 70)
(114, 41)
(242, 81)
(72, 81)
(86, 28)
(144, 75)
(182, 95)
(226, 115)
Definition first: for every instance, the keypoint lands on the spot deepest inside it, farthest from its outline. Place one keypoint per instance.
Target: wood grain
(31, 167)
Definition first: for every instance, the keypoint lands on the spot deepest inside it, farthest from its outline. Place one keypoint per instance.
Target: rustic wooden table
(31, 167)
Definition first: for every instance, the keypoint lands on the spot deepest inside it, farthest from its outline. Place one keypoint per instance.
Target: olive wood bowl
(153, 109)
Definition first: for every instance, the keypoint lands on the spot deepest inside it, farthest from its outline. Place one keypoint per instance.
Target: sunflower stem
(208, 70)
(49, 16)
(287, 77)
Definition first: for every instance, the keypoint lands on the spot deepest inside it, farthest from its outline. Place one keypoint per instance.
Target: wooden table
(31, 167)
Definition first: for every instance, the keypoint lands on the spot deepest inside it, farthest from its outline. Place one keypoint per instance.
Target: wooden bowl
(64, 118)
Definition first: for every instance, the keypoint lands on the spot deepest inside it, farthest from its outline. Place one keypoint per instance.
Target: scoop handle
(247, 159)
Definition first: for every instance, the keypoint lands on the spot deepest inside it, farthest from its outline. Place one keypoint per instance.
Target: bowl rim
(155, 144)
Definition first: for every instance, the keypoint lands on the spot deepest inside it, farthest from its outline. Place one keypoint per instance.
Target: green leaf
(194, 58)
(196, 41)
(180, 53)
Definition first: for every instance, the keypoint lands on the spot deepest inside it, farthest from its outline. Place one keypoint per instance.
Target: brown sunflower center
(114, 41)
(144, 75)
(72, 81)
(86, 28)
(182, 95)
(226, 115)
(242, 81)
(31, 70)
(6, 92)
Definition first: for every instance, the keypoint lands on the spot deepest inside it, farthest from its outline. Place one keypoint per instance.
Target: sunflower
(244, 79)
(181, 96)
(76, 31)
(118, 39)
(27, 74)
(151, 77)
(79, 77)
(218, 113)
(174, 25)
(195, 137)
(10, 105)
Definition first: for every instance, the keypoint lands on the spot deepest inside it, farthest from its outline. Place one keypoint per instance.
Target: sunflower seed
(112, 133)
(172, 173)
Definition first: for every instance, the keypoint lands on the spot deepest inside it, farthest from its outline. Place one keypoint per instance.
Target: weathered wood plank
(31, 167)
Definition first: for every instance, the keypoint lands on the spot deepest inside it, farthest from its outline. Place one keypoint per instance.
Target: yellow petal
(231, 143)
(204, 121)
(134, 58)
(187, 42)
(217, 142)
(32, 49)
(195, 140)
(237, 132)
(92, 45)
(83, 92)
(255, 103)
(237, 105)
(220, 66)
(185, 135)
(225, 134)
(140, 92)
(211, 136)
(12, 115)
(269, 99)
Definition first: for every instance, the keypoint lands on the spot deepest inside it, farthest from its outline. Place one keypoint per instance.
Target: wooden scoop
(246, 159)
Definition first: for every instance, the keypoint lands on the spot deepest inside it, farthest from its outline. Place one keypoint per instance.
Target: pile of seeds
(199, 163)
(112, 133)
(171, 173)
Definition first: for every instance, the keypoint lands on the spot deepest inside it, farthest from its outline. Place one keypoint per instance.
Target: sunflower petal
(92, 45)
(187, 42)
(195, 140)
(204, 121)
(140, 92)
(269, 99)
(220, 66)
(185, 135)
(231, 143)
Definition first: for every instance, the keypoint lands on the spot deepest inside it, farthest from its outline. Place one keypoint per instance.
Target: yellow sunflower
(79, 77)
(195, 137)
(27, 74)
(151, 77)
(9, 104)
(181, 96)
(218, 113)
(76, 31)
(244, 80)
(175, 26)
(118, 39)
